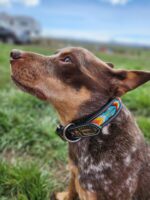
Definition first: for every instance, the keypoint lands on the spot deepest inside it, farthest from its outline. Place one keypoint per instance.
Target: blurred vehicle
(8, 36)
(18, 29)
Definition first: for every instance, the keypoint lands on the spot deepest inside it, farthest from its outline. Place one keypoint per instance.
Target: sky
(125, 21)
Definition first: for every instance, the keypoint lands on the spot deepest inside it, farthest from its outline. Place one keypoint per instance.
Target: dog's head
(72, 79)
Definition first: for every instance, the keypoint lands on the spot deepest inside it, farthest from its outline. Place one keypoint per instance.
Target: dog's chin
(36, 92)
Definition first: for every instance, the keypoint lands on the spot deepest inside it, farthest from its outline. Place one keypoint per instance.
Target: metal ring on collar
(68, 137)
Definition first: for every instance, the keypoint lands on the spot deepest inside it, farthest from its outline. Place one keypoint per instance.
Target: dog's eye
(67, 59)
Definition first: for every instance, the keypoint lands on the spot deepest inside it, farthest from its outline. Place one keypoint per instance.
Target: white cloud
(4, 2)
(31, 2)
(117, 2)
(23, 2)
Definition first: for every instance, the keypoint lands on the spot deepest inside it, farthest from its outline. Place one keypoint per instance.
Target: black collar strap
(93, 125)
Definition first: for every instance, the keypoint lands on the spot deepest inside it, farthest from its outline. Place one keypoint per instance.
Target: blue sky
(99, 20)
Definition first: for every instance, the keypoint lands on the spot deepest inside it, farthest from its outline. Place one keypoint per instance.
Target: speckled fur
(112, 164)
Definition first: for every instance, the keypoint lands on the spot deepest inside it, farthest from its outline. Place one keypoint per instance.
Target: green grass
(23, 182)
(32, 157)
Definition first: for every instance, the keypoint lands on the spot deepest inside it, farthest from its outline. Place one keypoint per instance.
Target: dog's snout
(15, 54)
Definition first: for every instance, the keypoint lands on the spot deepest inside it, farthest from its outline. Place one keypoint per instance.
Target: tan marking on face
(62, 196)
(83, 194)
(64, 98)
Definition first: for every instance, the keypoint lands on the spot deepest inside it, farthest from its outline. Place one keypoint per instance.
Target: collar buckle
(68, 136)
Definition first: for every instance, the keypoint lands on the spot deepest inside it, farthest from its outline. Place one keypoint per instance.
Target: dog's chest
(113, 175)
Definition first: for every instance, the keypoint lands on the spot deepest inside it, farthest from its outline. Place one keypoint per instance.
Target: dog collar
(92, 125)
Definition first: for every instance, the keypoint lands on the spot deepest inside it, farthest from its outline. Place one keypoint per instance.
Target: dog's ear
(125, 81)
(110, 64)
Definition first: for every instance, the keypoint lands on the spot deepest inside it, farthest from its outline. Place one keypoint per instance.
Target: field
(32, 157)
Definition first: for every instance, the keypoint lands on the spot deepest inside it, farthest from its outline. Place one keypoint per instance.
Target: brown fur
(112, 165)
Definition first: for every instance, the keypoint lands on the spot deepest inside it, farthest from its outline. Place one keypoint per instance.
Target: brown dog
(114, 164)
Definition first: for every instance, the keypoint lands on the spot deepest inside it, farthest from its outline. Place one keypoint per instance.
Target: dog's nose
(15, 54)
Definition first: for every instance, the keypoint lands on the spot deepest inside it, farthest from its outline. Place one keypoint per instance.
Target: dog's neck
(70, 111)
(122, 127)
(122, 133)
